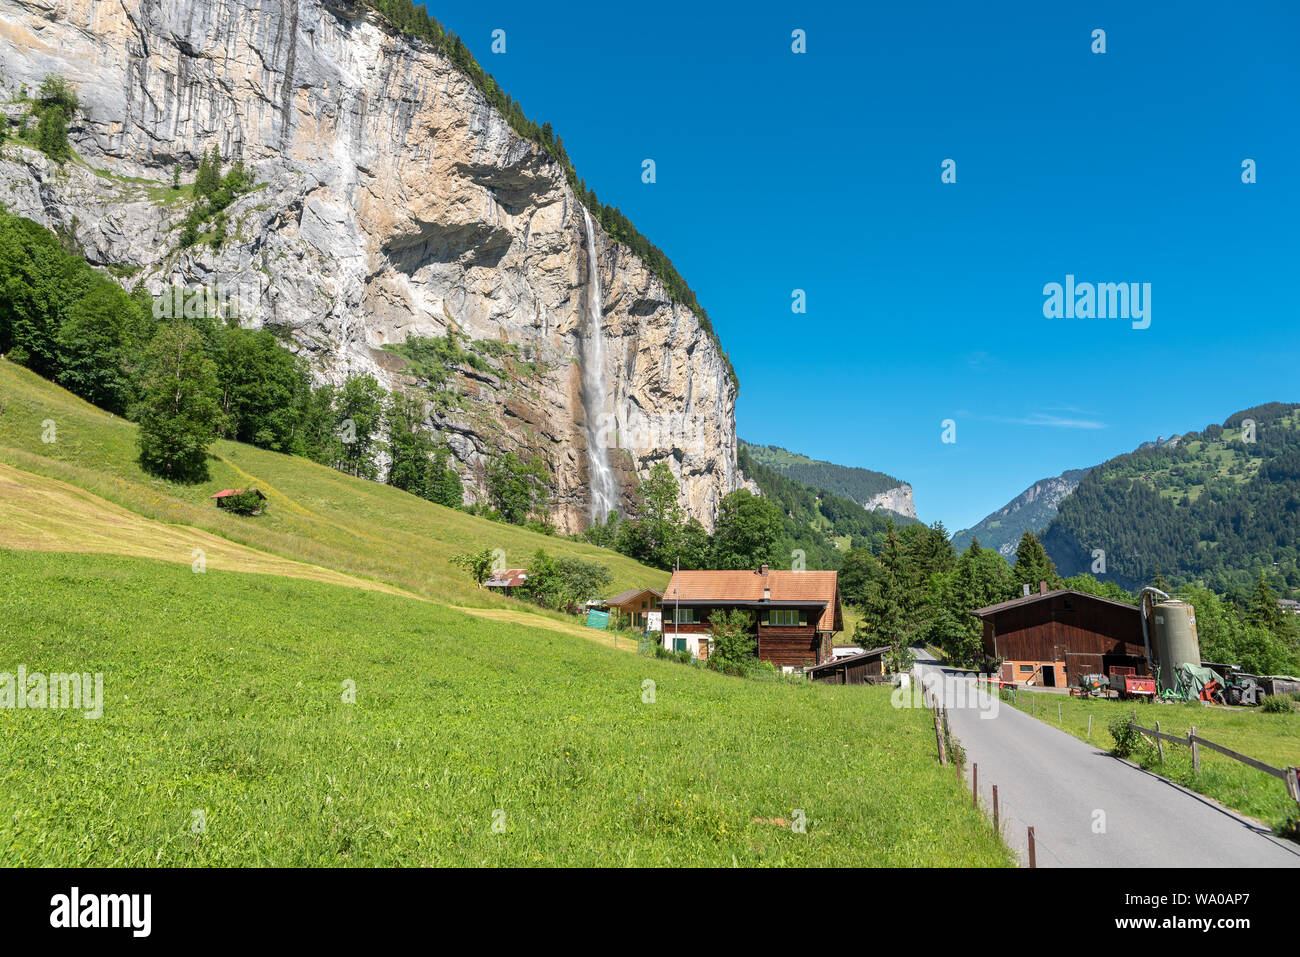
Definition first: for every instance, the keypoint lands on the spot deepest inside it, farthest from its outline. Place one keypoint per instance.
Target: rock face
(897, 500)
(393, 201)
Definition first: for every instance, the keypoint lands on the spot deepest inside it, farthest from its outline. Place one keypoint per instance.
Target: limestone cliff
(393, 201)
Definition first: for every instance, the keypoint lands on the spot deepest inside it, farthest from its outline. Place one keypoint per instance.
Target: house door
(1049, 675)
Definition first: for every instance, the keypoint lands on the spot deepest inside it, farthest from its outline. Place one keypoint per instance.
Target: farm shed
(1051, 638)
(223, 497)
(507, 580)
(859, 669)
(635, 604)
(795, 613)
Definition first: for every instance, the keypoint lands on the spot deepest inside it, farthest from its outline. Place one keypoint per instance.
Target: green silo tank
(1174, 625)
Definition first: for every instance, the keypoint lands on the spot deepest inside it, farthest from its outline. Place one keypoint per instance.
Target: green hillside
(223, 695)
(822, 525)
(1210, 507)
(316, 514)
(842, 480)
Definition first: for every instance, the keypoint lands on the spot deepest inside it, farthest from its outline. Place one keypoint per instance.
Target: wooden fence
(1289, 776)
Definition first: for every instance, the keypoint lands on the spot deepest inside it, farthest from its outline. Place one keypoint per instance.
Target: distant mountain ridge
(1030, 511)
(1217, 506)
(874, 491)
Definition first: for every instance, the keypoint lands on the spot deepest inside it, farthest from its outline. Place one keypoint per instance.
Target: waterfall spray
(595, 393)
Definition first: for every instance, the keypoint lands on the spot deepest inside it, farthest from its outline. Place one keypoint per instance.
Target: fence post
(1196, 750)
(995, 810)
(975, 785)
(1160, 744)
(1033, 862)
(1059, 719)
(938, 741)
(1089, 727)
(1293, 783)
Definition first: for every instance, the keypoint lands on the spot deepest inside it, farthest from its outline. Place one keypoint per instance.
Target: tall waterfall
(604, 489)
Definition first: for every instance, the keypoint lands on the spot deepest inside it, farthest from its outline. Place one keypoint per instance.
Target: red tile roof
(748, 585)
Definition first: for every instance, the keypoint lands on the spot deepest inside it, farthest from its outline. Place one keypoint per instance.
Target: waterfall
(604, 490)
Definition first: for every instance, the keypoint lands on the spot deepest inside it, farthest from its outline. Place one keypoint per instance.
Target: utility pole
(677, 605)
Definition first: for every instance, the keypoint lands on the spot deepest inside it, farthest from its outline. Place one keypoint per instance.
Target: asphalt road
(1089, 809)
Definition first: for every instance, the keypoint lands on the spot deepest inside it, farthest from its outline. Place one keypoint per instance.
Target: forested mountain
(1215, 507)
(822, 524)
(1030, 511)
(875, 491)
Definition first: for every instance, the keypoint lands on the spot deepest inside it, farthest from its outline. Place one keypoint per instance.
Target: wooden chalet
(796, 614)
(1051, 638)
(635, 604)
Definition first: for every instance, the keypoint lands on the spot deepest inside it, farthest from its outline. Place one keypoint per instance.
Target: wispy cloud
(1052, 421)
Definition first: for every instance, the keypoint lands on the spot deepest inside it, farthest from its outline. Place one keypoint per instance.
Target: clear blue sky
(821, 172)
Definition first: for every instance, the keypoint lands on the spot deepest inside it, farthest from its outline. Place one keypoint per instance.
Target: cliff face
(898, 500)
(393, 201)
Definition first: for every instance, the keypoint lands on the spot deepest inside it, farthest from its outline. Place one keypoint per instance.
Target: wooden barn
(864, 668)
(795, 613)
(1051, 638)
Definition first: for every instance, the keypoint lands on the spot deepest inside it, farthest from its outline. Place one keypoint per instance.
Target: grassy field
(1271, 738)
(317, 515)
(225, 739)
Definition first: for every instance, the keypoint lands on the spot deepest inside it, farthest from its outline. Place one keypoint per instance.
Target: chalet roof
(623, 597)
(849, 659)
(507, 578)
(746, 586)
(1036, 597)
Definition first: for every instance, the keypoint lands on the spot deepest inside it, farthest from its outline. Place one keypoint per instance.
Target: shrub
(1126, 739)
(248, 502)
(1277, 704)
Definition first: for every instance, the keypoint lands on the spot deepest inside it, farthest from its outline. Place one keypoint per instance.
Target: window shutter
(803, 617)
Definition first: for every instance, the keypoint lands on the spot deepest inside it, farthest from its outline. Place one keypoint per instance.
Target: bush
(248, 502)
(1126, 739)
(1277, 704)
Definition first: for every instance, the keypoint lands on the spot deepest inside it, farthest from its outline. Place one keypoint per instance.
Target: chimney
(767, 593)
(1042, 588)
(1026, 589)
(762, 569)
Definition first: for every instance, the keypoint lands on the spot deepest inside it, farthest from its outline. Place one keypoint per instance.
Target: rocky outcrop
(898, 500)
(392, 201)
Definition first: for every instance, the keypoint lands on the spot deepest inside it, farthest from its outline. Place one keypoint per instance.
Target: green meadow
(226, 739)
(353, 715)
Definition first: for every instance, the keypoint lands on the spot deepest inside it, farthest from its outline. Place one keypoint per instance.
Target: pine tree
(1033, 564)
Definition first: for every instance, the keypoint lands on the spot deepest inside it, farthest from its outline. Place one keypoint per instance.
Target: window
(685, 616)
(783, 616)
(1026, 669)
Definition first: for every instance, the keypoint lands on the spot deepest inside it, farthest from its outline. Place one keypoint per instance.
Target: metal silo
(1174, 624)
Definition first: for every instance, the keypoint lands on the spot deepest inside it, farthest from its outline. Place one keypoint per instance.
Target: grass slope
(317, 515)
(1271, 738)
(223, 695)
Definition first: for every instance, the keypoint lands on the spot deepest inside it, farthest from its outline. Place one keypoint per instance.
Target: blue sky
(821, 172)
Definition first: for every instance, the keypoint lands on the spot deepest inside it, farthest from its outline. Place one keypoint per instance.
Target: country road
(1068, 789)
